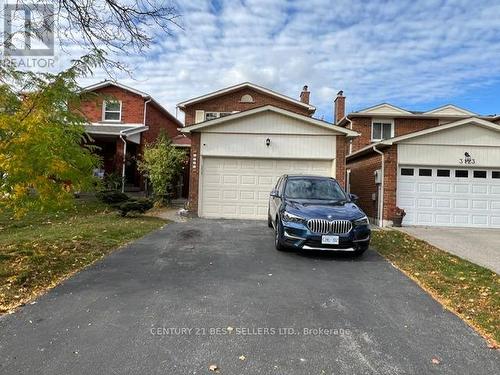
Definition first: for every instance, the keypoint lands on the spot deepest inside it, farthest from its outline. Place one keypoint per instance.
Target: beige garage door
(239, 188)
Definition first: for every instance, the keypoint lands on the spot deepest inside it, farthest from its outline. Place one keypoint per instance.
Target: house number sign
(467, 159)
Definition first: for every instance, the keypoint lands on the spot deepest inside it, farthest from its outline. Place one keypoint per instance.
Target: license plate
(330, 240)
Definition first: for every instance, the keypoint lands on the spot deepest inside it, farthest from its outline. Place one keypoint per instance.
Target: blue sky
(414, 54)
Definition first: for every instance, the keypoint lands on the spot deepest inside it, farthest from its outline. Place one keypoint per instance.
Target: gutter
(381, 198)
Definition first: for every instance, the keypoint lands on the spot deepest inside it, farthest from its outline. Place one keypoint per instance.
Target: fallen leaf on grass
(213, 368)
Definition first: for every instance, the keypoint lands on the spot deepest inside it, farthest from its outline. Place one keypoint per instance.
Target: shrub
(162, 163)
(112, 197)
(135, 206)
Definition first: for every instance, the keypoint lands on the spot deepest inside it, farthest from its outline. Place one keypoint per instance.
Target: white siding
(447, 155)
(269, 123)
(447, 147)
(282, 146)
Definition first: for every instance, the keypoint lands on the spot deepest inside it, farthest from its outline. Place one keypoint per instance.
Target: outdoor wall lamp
(268, 142)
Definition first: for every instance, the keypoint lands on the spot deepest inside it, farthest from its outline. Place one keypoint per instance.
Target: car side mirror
(353, 197)
(275, 194)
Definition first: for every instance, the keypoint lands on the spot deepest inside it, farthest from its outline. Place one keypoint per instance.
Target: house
(244, 137)
(121, 121)
(441, 166)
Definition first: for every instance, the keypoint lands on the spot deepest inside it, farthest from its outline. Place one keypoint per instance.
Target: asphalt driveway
(480, 246)
(162, 305)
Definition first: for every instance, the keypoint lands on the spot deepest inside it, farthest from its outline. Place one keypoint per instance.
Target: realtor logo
(28, 29)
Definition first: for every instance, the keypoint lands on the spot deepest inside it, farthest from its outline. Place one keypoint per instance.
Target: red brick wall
(340, 160)
(132, 105)
(194, 173)
(402, 126)
(390, 181)
(231, 102)
(362, 181)
(157, 120)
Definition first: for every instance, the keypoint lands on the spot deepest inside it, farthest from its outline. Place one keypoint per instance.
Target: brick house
(244, 137)
(441, 166)
(121, 121)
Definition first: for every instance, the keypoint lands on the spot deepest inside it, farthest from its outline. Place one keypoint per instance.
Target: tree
(162, 163)
(44, 156)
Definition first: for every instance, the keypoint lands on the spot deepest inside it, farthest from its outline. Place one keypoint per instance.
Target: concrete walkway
(480, 246)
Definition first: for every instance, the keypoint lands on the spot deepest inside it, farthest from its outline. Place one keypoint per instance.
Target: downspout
(381, 200)
(122, 137)
(145, 104)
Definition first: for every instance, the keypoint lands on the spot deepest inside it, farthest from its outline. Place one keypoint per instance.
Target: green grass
(40, 250)
(468, 290)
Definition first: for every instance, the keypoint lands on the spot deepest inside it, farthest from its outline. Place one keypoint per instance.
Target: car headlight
(287, 216)
(361, 221)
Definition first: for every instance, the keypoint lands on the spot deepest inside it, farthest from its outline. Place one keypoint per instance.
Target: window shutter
(199, 116)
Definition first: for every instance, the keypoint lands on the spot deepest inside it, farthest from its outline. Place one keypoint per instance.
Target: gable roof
(145, 95)
(450, 109)
(108, 82)
(384, 108)
(253, 86)
(271, 108)
(471, 120)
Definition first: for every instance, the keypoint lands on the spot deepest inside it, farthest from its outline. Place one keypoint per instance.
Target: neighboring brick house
(441, 166)
(244, 137)
(121, 121)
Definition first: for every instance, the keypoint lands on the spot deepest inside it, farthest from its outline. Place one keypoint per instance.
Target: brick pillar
(194, 173)
(119, 156)
(390, 181)
(341, 145)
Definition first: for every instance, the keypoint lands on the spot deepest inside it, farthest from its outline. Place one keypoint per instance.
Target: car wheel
(269, 221)
(278, 236)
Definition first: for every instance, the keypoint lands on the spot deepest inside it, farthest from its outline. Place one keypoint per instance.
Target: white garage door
(239, 188)
(461, 197)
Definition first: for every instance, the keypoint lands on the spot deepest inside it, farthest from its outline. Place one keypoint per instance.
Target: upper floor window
(214, 115)
(246, 98)
(112, 111)
(382, 129)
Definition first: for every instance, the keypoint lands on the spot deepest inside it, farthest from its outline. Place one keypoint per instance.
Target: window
(112, 111)
(214, 115)
(479, 174)
(406, 171)
(313, 188)
(495, 174)
(246, 99)
(443, 173)
(425, 172)
(382, 129)
(461, 173)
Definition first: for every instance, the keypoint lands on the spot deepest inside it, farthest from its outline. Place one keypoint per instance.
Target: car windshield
(313, 188)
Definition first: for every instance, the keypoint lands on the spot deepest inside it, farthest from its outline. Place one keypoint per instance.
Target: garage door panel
(446, 200)
(480, 189)
(239, 187)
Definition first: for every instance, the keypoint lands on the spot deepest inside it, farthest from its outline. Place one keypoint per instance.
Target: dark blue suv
(314, 213)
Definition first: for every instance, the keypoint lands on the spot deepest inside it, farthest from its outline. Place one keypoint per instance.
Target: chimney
(304, 95)
(339, 107)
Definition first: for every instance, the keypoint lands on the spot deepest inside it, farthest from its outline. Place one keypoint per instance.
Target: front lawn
(39, 251)
(468, 290)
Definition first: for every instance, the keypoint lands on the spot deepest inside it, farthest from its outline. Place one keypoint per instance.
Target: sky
(414, 54)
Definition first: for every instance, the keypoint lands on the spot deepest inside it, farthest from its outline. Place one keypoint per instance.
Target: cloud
(410, 53)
